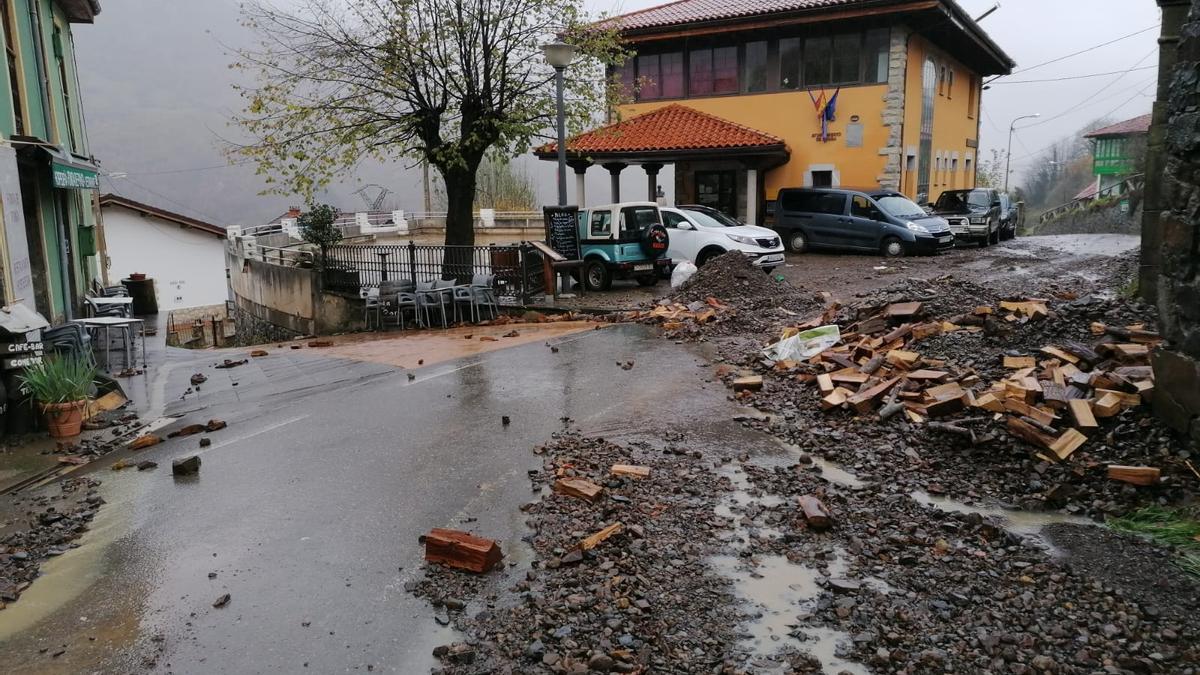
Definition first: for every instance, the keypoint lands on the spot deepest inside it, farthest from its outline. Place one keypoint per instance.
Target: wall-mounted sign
(74, 177)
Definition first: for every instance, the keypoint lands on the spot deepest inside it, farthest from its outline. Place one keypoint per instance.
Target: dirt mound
(731, 279)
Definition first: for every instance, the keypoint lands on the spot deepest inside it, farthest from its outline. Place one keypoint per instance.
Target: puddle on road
(1028, 523)
(780, 590)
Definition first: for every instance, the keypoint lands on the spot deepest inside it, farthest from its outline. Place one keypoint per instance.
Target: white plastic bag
(804, 345)
(683, 271)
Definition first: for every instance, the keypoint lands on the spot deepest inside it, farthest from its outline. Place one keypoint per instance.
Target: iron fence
(517, 267)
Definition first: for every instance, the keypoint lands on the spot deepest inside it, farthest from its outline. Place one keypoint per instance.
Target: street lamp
(1008, 155)
(559, 55)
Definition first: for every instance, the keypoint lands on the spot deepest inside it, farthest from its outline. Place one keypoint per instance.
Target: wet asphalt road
(309, 506)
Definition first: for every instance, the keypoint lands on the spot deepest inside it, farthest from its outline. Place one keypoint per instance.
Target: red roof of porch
(674, 128)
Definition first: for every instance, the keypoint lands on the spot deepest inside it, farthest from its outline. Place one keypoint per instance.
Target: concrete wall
(279, 302)
(1176, 240)
(187, 265)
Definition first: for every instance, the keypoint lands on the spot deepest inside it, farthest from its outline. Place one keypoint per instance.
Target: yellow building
(746, 97)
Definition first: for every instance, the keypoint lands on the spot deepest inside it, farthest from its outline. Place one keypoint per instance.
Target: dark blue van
(874, 220)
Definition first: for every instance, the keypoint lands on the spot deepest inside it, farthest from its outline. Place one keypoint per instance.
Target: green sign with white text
(74, 177)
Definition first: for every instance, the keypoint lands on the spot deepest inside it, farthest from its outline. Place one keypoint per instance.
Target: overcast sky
(157, 96)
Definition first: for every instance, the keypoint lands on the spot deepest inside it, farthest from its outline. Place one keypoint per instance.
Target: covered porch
(717, 163)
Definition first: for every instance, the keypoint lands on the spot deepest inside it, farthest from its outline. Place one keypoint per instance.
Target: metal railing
(1126, 186)
(517, 267)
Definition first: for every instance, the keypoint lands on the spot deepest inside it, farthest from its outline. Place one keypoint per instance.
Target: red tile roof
(670, 128)
(1087, 192)
(1137, 125)
(692, 11)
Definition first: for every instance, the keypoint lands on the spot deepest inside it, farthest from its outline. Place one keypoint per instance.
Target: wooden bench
(555, 262)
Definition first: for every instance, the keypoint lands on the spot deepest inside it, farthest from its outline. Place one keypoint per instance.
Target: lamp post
(1008, 154)
(559, 55)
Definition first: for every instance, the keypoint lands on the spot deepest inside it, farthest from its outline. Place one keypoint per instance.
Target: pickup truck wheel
(797, 242)
(893, 248)
(596, 276)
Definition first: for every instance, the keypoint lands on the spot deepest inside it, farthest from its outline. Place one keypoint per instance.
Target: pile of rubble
(728, 296)
(618, 582)
(49, 526)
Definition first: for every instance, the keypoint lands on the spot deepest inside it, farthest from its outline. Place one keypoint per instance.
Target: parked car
(622, 241)
(700, 233)
(974, 214)
(863, 220)
(1009, 217)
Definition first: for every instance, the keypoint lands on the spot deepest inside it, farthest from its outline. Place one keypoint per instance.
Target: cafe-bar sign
(74, 177)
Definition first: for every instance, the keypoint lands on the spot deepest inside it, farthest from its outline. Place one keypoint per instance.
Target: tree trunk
(460, 223)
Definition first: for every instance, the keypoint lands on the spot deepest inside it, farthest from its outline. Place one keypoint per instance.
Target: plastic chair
(428, 299)
(463, 295)
(407, 302)
(370, 298)
(484, 293)
(446, 288)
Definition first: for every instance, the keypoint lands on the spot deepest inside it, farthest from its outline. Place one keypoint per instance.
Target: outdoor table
(107, 323)
(114, 301)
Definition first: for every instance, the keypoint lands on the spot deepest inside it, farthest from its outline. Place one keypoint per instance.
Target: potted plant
(61, 384)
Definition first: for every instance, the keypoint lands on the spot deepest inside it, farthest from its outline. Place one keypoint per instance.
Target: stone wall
(893, 109)
(1177, 367)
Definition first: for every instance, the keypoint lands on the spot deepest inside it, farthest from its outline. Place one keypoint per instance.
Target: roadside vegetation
(1179, 528)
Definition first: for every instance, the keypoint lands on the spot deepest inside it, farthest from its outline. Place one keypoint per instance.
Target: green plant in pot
(62, 385)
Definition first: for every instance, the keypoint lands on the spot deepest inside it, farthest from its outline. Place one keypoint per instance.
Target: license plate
(642, 268)
(942, 240)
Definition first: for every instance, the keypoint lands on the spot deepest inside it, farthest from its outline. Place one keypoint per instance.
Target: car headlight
(917, 228)
(742, 239)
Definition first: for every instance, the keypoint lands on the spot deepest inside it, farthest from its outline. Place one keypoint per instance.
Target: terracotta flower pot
(64, 419)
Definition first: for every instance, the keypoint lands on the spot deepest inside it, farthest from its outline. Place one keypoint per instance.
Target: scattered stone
(187, 466)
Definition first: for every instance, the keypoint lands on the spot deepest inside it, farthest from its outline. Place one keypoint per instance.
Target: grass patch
(1129, 289)
(1173, 527)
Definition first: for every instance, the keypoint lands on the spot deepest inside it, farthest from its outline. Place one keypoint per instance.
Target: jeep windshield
(900, 207)
(635, 220)
(958, 200)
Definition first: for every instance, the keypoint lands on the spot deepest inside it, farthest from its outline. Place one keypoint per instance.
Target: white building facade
(184, 256)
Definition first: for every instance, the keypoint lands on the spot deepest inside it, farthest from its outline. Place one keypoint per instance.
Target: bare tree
(443, 81)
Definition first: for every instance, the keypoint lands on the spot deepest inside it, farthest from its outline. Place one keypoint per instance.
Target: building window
(700, 72)
(713, 71)
(648, 78)
(755, 71)
(847, 58)
(625, 79)
(671, 68)
(967, 168)
(789, 63)
(14, 76)
(971, 96)
(941, 81)
(876, 52)
(59, 56)
(950, 84)
(818, 60)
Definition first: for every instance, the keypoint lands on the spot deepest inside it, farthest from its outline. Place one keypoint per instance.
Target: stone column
(580, 166)
(751, 196)
(1174, 13)
(652, 180)
(614, 170)
(892, 115)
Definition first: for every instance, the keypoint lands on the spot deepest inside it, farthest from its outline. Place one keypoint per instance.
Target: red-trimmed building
(744, 98)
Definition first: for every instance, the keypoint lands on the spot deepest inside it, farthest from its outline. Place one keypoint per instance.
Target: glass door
(717, 189)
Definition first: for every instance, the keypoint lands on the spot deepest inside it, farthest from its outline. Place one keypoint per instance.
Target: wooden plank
(864, 401)
(825, 383)
(1134, 475)
(1130, 351)
(1022, 408)
(945, 391)
(461, 550)
(578, 487)
(1060, 354)
(815, 512)
(989, 401)
(630, 470)
(1107, 405)
(1055, 394)
(1067, 443)
(1017, 391)
(1128, 400)
(1135, 372)
(982, 310)
(902, 309)
(924, 330)
(926, 374)
(848, 376)
(835, 399)
(1018, 362)
(945, 406)
(594, 540)
(1085, 353)
(748, 383)
(901, 358)
(1145, 388)
(1028, 433)
(1081, 414)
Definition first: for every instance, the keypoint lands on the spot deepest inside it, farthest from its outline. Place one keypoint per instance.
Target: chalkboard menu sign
(562, 230)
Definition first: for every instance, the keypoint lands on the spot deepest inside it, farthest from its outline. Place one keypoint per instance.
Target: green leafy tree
(317, 228)
(442, 81)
